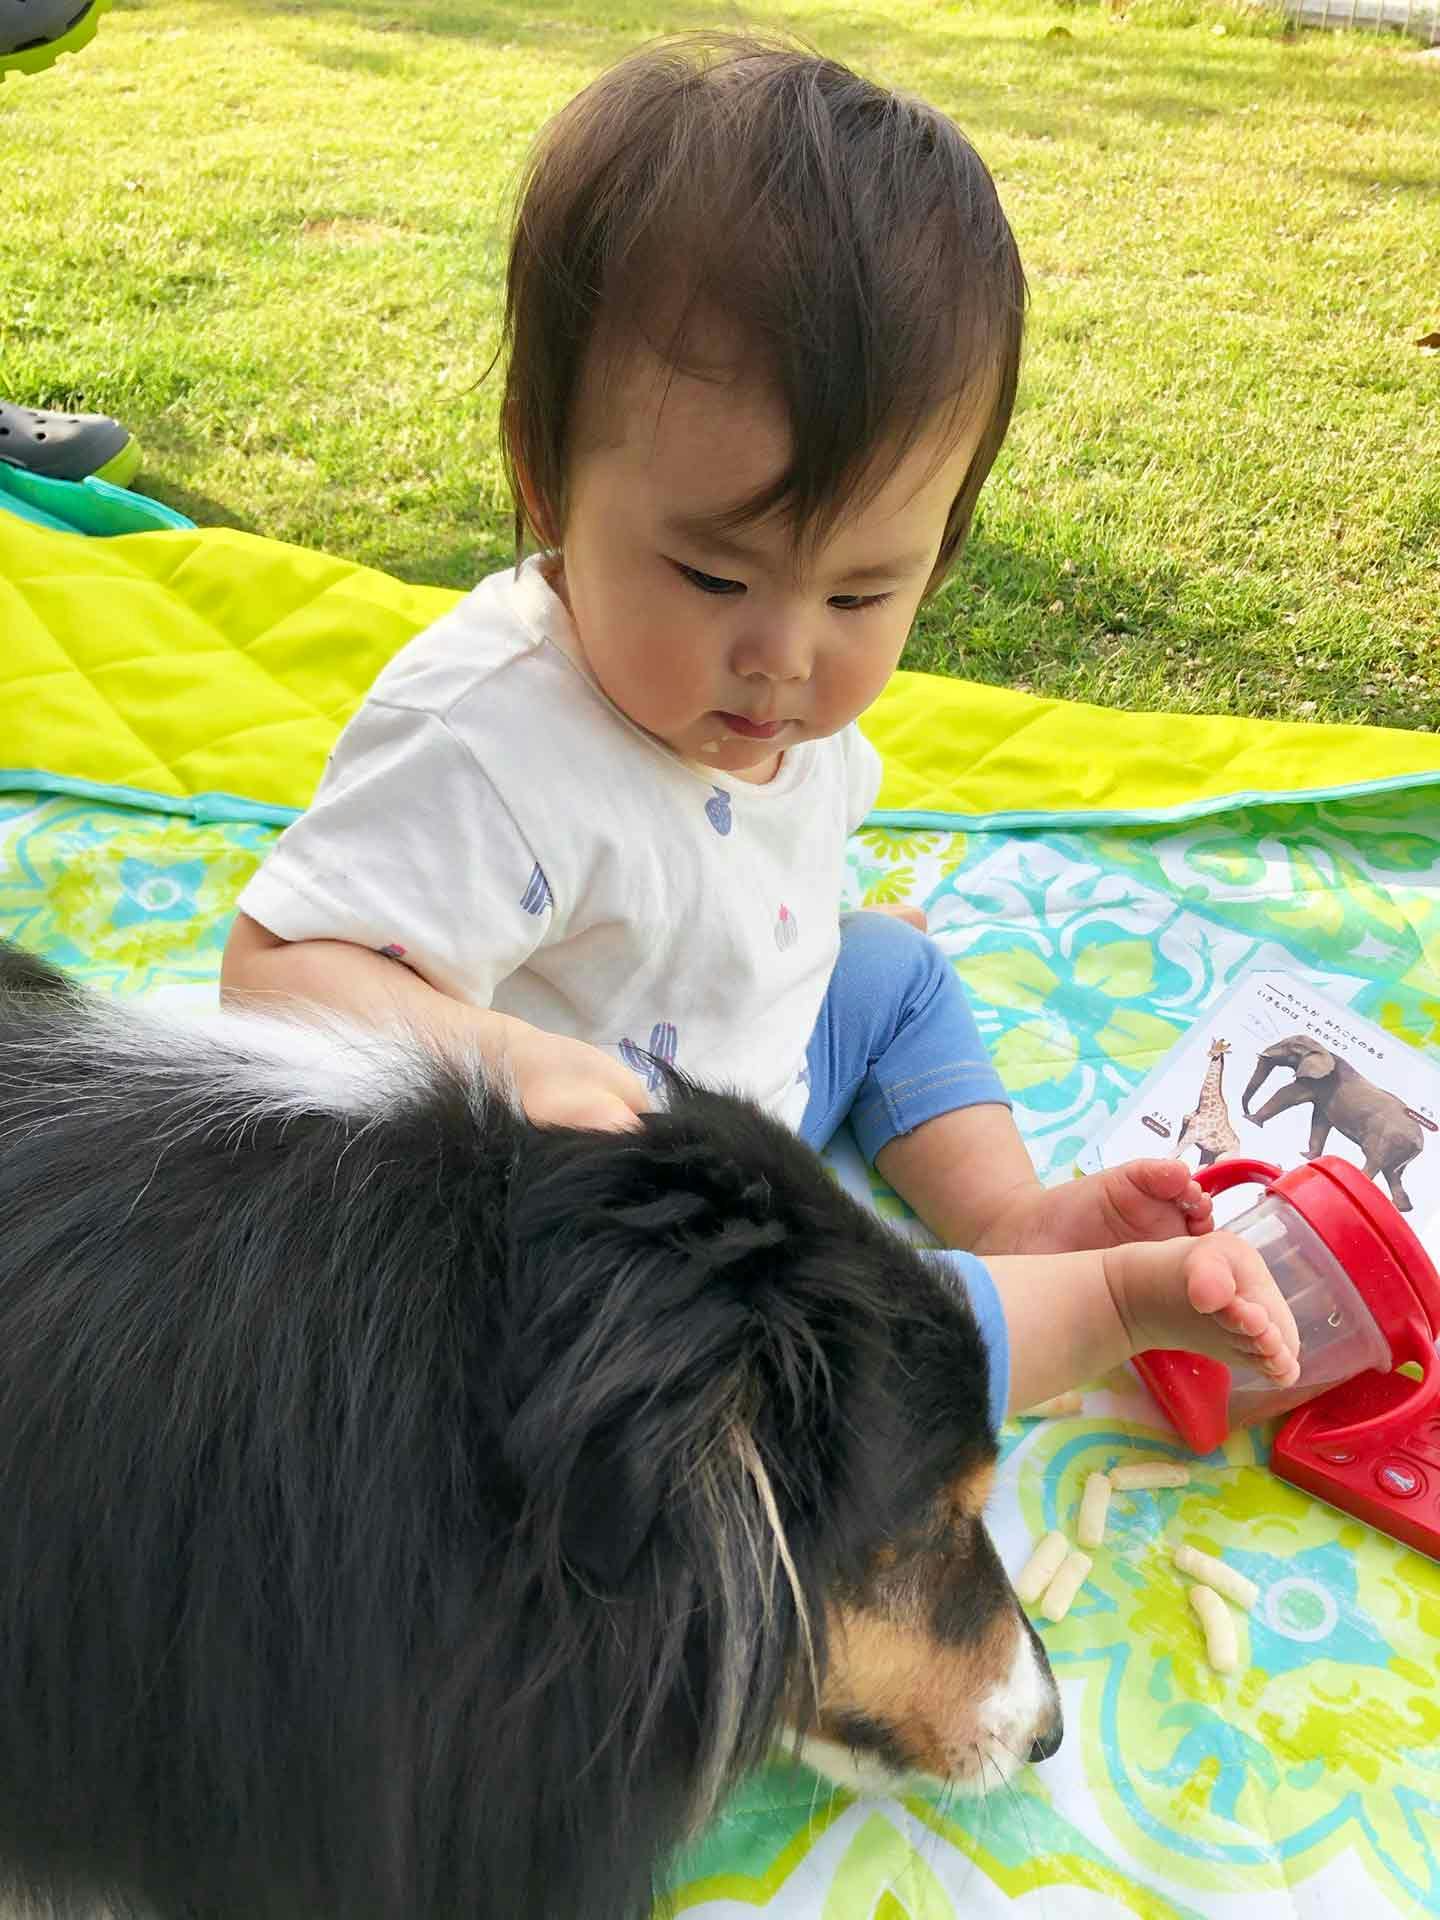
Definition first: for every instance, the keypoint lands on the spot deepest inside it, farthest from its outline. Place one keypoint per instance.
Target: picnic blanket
(1098, 880)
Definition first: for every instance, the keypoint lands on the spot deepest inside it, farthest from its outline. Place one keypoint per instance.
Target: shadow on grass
(1396, 179)
(356, 60)
(202, 508)
(1039, 607)
(459, 560)
(1019, 595)
(521, 23)
(1045, 611)
(984, 108)
(453, 19)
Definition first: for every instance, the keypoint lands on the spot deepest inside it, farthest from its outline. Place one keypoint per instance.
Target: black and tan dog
(407, 1511)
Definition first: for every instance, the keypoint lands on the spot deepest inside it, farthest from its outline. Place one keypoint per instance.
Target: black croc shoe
(68, 446)
(34, 33)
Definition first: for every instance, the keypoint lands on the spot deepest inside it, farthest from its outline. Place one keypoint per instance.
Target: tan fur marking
(927, 1694)
(966, 1496)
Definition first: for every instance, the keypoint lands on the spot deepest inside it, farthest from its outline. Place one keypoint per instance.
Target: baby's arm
(559, 1081)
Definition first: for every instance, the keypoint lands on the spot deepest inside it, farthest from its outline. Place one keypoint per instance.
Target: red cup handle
(1236, 1173)
(1413, 1342)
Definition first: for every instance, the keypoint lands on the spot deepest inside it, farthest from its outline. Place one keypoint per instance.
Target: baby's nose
(779, 652)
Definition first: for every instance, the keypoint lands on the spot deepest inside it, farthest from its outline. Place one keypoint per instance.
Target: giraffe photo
(1207, 1126)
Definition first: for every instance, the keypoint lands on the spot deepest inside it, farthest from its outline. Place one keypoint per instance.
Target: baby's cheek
(675, 687)
(854, 683)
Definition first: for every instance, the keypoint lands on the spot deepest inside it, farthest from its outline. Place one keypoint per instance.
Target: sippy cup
(1363, 1291)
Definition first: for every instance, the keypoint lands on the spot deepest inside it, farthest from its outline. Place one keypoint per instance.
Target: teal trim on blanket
(200, 807)
(89, 507)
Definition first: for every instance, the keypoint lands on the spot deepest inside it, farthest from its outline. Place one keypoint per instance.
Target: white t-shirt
(492, 819)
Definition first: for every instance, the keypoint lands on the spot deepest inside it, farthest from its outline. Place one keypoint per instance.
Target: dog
(408, 1512)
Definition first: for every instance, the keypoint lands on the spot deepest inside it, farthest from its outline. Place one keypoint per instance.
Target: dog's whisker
(983, 1796)
(1019, 1799)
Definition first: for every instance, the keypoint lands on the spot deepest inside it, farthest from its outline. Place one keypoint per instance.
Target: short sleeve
(864, 770)
(985, 1303)
(408, 849)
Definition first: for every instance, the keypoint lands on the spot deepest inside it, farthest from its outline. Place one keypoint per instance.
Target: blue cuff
(886, 1112)
(974, 1276)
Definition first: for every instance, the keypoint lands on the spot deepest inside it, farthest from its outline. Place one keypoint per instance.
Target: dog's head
(752, 1422)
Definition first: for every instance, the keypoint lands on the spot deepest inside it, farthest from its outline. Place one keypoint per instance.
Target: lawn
(269, 234)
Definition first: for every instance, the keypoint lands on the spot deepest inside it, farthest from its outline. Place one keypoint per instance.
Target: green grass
(268, 234)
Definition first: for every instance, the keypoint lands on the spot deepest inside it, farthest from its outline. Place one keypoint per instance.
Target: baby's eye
(708, 582)
(858, 602)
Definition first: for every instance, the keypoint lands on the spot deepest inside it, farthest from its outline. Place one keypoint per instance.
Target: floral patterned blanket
(1309, 1783)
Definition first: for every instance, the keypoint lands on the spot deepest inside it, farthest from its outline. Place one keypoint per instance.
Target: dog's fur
(409, 1513)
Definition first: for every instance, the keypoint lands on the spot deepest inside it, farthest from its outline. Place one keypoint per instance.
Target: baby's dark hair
(850, 238)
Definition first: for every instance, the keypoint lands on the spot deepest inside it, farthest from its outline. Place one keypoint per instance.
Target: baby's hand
(568, 1083)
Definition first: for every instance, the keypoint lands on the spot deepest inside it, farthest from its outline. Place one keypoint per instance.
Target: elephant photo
(1379, 1123)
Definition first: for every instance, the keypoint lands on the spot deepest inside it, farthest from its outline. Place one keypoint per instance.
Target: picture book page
(1277, 1072)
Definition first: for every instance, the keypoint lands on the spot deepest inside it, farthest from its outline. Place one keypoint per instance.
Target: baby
(764, 322)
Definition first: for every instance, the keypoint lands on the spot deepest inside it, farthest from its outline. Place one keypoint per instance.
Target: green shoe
(68, 446)
(34, 33)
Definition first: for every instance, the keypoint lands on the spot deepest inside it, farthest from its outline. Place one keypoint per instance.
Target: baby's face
(731, 648)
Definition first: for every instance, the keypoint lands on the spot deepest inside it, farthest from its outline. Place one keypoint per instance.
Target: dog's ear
(611, 1505)
(604, 1500)
(635, 1259)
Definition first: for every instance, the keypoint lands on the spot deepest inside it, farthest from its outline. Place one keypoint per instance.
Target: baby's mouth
(751, 729)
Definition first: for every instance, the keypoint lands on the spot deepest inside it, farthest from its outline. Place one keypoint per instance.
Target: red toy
(1370, 1444)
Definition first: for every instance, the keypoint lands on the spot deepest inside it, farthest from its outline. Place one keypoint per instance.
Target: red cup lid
(1315, 1191)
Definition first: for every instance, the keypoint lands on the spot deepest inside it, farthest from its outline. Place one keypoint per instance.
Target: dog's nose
(1047, 1744)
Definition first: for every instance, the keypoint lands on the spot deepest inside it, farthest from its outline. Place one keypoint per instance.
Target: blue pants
(895, 1045)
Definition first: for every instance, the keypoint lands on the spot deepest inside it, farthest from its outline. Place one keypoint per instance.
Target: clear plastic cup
(1339, 1336)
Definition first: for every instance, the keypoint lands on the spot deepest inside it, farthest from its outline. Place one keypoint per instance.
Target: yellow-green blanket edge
(207, 672)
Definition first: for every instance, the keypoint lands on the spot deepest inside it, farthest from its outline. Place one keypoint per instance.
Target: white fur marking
(862, 1773)
(1009, 1721)
(197, 1065)
(1013, 1716)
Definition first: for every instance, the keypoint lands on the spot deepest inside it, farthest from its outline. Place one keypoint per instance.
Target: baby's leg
(1074, 1316)
(967, 1174)
(897, 1049)
(1214, 1296)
